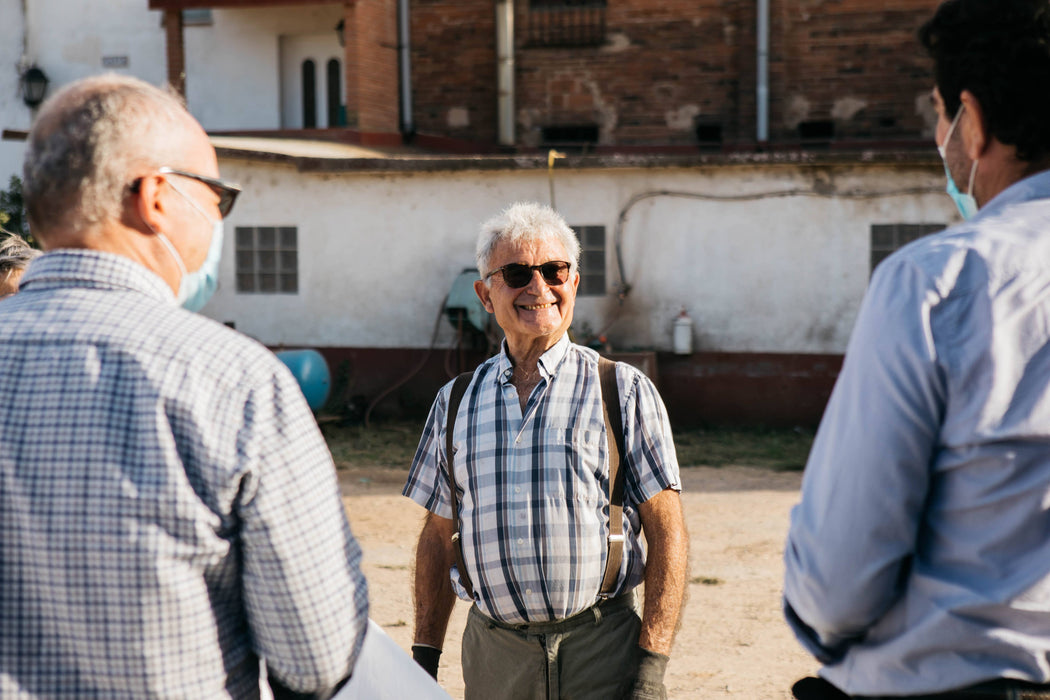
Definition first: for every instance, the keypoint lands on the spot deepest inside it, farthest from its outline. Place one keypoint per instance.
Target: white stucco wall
(378, 252)
(232, 66)
(68, 41)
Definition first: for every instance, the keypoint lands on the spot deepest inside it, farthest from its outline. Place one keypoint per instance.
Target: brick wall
(663, 67)
(371, 59)
(853, 63)
(454, 68)
(670, 72)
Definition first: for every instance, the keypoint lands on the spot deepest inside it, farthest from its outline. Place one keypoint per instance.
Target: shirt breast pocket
(582, 454)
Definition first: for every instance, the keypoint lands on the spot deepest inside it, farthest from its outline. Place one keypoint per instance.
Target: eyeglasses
(226, 191)
(516, 275)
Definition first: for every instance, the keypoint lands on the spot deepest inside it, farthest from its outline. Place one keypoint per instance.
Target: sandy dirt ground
(733, 641)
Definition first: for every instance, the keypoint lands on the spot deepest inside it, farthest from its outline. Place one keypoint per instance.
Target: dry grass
(394, 444)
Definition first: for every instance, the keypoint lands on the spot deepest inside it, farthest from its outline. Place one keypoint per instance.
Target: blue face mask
(965, 203)
(196, 288)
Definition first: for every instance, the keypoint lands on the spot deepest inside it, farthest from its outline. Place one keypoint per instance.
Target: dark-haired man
(918, 561)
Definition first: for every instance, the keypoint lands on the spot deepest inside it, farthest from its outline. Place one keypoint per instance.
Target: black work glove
(427, 657)
(816, 689)
(648, 683)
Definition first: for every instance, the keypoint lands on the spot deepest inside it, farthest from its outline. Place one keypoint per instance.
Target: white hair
(524, 222)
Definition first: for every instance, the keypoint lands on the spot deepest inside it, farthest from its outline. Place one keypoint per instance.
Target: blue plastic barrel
(311, 371)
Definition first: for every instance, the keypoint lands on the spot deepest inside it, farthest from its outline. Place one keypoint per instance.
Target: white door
(312, 84)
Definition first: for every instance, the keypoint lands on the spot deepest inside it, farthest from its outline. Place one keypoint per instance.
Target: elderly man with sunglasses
(170, 518)
(531, 472)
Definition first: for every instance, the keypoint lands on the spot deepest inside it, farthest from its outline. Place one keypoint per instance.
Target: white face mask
(196, 288)
(965, 203)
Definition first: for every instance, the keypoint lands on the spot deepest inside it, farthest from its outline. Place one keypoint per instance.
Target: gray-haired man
(532, 469)
(169, 513)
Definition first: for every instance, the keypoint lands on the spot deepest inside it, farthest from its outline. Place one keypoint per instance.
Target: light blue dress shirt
(919, 557)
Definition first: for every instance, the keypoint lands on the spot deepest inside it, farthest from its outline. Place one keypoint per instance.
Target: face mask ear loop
(171, 249)
(943, 148)
(167, 244)
(973, 174)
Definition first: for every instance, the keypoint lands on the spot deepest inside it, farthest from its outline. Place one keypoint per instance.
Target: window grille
(566, 23)
(592, 259)
(886, 238)
(267, 260)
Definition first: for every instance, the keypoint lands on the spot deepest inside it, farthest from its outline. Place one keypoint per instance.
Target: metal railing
(566, 23)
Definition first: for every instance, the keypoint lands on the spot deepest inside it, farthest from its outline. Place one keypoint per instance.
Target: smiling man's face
(539, 312)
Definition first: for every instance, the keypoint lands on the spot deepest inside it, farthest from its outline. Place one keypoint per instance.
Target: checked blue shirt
(534, 487)
(169, 512)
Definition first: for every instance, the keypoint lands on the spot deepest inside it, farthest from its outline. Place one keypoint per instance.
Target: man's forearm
(665, 570)
(434, 597)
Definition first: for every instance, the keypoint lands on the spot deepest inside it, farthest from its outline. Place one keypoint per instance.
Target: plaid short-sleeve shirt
(169, 512)
(534, 486)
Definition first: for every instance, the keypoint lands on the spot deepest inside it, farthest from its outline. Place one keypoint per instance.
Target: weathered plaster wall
(378, 252)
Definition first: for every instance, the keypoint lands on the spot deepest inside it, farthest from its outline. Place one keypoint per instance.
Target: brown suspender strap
(459, 387)
(614, 434)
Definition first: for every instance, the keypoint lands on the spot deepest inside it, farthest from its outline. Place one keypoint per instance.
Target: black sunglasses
(516, 275)
(226, 191)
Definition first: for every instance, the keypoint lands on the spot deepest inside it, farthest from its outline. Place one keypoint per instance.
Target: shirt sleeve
(853, 533)
(427, 482)
(304, 591)
(652, 464)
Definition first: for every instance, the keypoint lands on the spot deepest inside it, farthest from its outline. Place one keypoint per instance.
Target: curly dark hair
(999, 50)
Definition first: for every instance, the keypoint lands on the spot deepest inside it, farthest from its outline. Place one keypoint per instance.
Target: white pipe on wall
(762, 93)
(505, 70)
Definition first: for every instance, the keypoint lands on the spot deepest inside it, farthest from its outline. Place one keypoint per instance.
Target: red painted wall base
(704, 388)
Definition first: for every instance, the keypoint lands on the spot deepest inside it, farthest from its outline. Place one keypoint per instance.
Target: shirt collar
(93, 269)
(1032, 187)
(547, 364)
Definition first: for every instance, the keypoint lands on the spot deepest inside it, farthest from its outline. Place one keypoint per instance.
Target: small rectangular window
(267, 259)
(592, 259)
(197, 18)
(886, 238)
(576, 138)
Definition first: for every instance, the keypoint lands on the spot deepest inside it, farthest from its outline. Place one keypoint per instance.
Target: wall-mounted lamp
(340, 31)
(34, 86)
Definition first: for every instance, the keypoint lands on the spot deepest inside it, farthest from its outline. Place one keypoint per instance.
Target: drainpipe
(24, 60)
(762, 94)
(404, 46)
(505, 70)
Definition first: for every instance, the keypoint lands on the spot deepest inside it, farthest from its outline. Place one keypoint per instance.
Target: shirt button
(521, 540)
(517, 489)
(528, 591)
